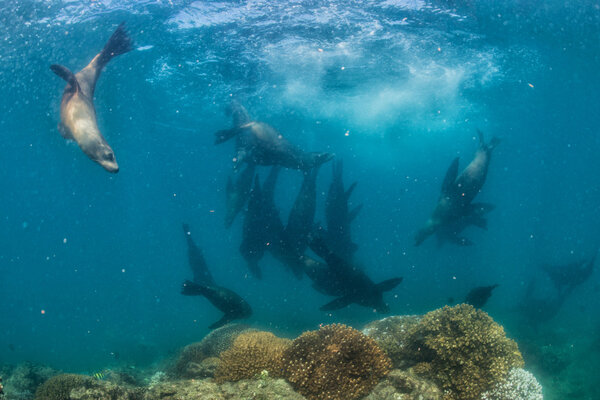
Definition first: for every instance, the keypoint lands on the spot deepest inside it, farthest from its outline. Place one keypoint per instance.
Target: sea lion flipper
(337, 304)
(354, 212)
(388, 284)
(64, 132)
(225, 134)
(450, 177)
(119, 43)
(66, 74)
(226, 319)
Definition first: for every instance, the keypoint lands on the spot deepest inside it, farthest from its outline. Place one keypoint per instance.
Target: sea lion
(338, 216)
(567, 277)
(262, 224)
(77, 112)
(200, 271)
(229, 302)
(261, 144)
(237, 192)
(459, 192)
(344, 280)
(294, 238)
(477, 297)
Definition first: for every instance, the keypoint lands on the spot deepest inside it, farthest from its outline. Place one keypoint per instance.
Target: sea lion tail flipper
(450, 177)
(388, 285)
(225, 134)
(337, 304)
(354, 212)
(479, 222)
(320, 158)
(495, 141)
(119, 43)
(66, 74)
(224, 320)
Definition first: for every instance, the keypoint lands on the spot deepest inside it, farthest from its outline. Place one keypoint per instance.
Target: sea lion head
(105, 156)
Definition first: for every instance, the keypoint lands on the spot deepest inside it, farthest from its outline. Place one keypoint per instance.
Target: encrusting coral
(251, 354)
(334, 363)
(463, 350)
(59, 387)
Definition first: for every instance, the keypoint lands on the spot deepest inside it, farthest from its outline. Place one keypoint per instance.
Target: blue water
(91, 263)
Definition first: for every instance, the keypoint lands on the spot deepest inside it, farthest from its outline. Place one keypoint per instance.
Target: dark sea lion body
(479, 296)
(77, 112)
(344, 280)
(237, 192)
(339, 216)
(200, 271)
(230, 303)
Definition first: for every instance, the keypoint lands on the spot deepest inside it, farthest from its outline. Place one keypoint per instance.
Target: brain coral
(192, 356)
(463, 350)
(250, 354)
(334, 363)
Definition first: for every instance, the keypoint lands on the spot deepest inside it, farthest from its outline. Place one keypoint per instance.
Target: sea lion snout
(108, 161)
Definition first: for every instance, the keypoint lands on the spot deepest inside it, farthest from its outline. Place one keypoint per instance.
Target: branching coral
(463, 350)
(334, 363)
(250, 354)
(519, 384)
(60, 386)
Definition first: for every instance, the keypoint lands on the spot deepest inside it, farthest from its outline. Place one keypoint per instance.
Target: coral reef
(463, 350)
(404, 385)
(250, 354)
(334, 363)
(390, 334)
(192, 355)
(24, 379)
(59, 387)
(519, 384)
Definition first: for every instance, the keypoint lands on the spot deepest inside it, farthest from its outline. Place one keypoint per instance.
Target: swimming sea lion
(229, 302)
(261, 144)
(77, 112)
(345, 280)
(478, 296)
(200, 271)
(459, 192)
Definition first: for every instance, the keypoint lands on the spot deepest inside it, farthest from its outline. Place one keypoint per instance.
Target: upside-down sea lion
(458, 192)
(77, 112)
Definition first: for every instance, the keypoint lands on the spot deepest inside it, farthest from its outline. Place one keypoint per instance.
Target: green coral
(60, 386)
(463, 350)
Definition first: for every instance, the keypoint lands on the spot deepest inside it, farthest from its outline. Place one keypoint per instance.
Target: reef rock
(404, 385)
(391, 334)
(264, 388)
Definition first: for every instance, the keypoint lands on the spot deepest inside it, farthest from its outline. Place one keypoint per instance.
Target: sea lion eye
(109, 156)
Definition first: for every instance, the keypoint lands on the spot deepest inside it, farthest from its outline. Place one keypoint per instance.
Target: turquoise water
(91, 263)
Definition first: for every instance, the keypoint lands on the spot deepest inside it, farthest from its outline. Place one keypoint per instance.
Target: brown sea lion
(77, 112)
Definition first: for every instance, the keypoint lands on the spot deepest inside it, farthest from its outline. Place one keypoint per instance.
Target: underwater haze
(92, 263)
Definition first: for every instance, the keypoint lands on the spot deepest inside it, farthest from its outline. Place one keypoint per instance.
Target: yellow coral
(334, 363)
(250, 355)
(463, 350)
